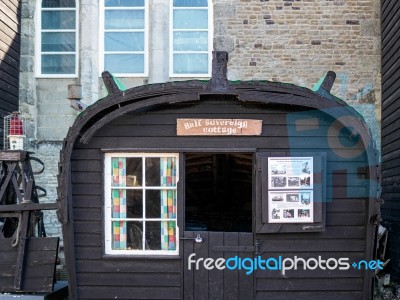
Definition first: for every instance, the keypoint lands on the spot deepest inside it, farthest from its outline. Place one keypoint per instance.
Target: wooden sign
(12, 155)
(218, 127)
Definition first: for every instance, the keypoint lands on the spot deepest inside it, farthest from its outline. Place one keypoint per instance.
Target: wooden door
(217, 206)
(216, 284)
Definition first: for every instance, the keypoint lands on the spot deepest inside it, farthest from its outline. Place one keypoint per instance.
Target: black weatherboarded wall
(391, 128)
(295, 120)
(9, 58)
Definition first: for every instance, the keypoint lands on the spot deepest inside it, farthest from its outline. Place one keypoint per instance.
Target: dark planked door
(217, 284)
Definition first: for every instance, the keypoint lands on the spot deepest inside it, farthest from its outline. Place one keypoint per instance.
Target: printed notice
(290, 189)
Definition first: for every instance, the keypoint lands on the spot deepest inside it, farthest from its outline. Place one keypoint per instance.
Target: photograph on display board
(290, 189)
(290, 172)
(290, 207)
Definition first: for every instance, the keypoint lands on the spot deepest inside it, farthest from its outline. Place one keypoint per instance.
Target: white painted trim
(210, 31)
(38, 40)
(145, 52)
(108, 205)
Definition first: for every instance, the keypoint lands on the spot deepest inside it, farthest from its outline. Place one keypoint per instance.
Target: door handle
(197, 239)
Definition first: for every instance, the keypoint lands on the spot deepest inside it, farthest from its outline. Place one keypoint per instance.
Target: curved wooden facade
(295, 121)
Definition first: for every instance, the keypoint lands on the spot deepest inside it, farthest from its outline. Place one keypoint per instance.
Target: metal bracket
(197, 239)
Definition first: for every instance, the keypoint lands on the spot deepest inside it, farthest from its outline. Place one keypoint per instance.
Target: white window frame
(102, 31)
(108, 204)
(38, 40)
(210, 40)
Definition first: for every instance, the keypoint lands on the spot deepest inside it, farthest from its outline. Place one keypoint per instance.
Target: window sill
(141, 256)
(61, 76)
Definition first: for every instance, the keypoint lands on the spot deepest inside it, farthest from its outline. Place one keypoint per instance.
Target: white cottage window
(141, 203)
(190, 38)
(57, 38)
(123, 38)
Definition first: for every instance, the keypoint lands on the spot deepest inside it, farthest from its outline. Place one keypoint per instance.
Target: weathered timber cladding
(391, 129)
(295, 120)
(9, 58)
(39, 267)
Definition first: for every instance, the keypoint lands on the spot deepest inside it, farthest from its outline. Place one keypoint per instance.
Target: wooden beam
(28, 206)
(21, 239)
(7, 180)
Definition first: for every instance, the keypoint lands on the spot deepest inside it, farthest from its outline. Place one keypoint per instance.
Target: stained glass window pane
(168, 235)
(160, 171)
(126, 171)
(161, 235)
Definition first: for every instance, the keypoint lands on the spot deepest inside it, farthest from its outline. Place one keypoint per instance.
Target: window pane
(168, 235)
(119, 229)
(127, 203)
(58, 41)
(161, 235)
(58, 3)
(118, 172)
(124, 63)
(190, 19)
(134, 204)
(161, 204)
(124, 3)
(153, 235)
(160, 171)
(190, 41)
(58, 64)
(134, 235)
(153, 171)
(190, 63)
(118, 203)
(134, 171)
(124, 19)
(168, 204)
(126, 171)
(124, 41)
(190, 3)
(153, 204)
(58, 19)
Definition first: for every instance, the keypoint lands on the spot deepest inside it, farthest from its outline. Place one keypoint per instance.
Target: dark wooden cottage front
(159, 185)
(391, 130)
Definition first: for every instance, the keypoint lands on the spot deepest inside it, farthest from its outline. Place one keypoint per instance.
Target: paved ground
(391, 292)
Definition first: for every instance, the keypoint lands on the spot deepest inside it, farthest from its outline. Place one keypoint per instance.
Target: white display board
(290, 190)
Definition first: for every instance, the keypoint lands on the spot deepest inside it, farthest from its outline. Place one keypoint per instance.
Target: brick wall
(297, 41)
